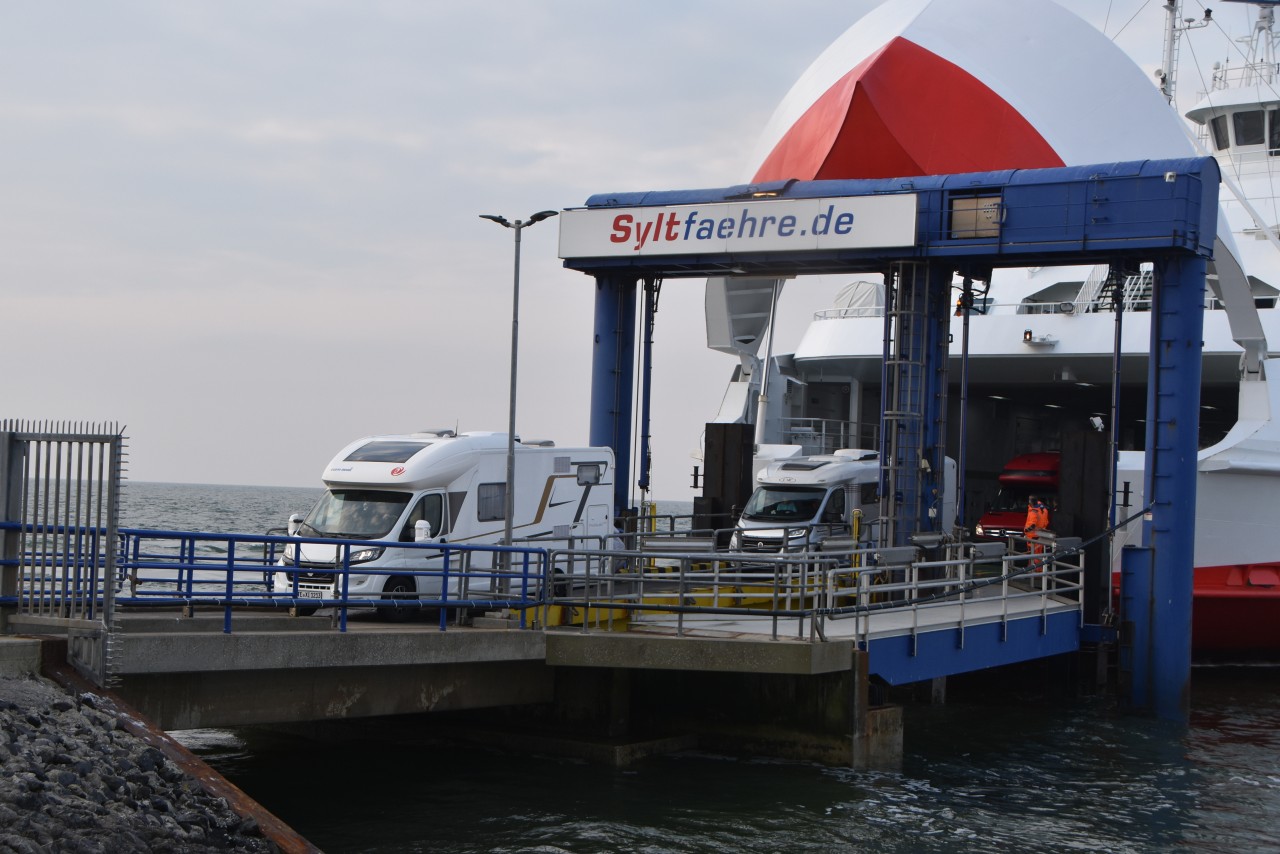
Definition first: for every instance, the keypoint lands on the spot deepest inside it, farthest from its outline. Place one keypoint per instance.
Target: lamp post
(509, 509)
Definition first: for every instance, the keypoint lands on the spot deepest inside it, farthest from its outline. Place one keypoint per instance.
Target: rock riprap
(72, 779)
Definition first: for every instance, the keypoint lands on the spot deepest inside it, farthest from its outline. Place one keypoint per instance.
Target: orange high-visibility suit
(1037, 521)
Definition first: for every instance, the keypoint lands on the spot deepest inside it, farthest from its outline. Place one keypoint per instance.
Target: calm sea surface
(978, 776)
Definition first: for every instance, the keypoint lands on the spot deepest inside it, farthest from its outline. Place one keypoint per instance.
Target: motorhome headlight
(365, 555)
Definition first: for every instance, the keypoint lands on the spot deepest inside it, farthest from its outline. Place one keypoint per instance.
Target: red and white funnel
(927, 87)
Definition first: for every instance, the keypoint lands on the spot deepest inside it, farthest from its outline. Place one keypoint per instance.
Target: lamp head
(541, 215)
(502, 221)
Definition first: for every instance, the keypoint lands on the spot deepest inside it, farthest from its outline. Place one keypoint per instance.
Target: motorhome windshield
(358, 514)
(784, 503)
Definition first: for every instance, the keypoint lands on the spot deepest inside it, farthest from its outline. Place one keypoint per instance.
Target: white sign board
(772, 225)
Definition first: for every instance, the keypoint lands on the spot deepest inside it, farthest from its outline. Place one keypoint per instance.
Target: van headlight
(735, 542)
(978, 530)
(365, 555)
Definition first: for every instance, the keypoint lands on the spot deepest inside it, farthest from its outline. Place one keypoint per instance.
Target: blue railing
(192, 569)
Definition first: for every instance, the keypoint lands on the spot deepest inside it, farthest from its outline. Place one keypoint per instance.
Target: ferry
(952, 86)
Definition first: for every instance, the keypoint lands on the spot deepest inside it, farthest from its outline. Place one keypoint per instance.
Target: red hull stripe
(906, 111)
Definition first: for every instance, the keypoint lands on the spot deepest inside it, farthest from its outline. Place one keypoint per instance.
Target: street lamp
(517, 226)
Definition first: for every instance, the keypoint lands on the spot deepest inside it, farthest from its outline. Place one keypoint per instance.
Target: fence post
(11, 457)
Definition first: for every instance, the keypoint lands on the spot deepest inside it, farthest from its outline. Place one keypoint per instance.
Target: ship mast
(1175, 26)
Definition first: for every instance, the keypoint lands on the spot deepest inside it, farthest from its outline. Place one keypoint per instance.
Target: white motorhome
(803, 500)
(445, 488)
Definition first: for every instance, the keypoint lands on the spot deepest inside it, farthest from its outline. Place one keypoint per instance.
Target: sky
(249, 232)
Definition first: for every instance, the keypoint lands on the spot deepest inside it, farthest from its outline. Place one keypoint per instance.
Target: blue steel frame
(904, 659)
(1162, 211)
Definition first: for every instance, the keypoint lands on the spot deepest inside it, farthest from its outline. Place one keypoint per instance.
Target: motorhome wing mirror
(422, 531)
(295, 524)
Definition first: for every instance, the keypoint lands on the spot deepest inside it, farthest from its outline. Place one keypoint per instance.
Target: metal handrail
(807, 588)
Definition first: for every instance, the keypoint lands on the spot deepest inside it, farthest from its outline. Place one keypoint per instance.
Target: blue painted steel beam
(1091, 213)
(937, 346)
(612, 368)
(1173, 420)
(902, 660)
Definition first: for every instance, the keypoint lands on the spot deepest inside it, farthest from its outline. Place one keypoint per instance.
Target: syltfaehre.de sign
(787, 225)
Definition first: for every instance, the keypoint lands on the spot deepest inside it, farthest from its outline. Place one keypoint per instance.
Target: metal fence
(59, 498)
(676, 581)
(807, 595)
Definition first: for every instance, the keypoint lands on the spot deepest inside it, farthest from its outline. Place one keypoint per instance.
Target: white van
(440, 487)
(800, 501)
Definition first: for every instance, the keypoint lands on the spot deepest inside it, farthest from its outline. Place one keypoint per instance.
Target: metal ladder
(903, 399)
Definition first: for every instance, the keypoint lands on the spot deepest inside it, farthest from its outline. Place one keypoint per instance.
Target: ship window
(1273, 135)
(1249, 127)
(491, 502)
(1219, 128)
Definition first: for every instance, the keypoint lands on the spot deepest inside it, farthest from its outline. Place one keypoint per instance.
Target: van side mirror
(295, 524)
(422, 531)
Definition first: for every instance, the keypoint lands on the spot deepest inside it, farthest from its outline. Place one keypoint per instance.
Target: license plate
(310, 593)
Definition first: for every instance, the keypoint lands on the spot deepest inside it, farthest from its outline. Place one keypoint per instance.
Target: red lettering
(672, 224)
(621, 228)
(642, 234)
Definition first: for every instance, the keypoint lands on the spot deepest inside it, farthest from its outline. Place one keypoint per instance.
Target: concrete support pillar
(619, 703)
(1162, 671)
(877, 729)
(938, 691)
(612, 371)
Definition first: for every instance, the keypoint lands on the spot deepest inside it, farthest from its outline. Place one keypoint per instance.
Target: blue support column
(1136, 648)
(914, 383)
(1173, 421)
(937, 339)
(612, 366)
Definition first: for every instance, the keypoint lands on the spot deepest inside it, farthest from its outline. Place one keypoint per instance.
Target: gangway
(917, 618)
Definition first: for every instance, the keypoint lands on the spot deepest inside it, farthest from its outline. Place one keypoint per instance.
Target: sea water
(979, 774)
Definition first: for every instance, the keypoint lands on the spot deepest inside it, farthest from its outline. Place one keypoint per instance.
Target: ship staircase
(1109, 286)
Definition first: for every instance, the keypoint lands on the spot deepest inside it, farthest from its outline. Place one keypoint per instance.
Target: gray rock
(73, 780)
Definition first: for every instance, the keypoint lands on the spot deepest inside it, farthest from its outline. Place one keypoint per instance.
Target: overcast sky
(248, 230)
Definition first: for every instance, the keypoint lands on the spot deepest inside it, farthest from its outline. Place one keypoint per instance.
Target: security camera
(1096, 423)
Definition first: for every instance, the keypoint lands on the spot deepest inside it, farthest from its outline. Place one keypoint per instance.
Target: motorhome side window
(491, 502)
(429, 508)
(870, 493)
(834, 511)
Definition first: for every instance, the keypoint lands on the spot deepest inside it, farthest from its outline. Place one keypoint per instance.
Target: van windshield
(357, 514)
(784, 503)
(1014, 498)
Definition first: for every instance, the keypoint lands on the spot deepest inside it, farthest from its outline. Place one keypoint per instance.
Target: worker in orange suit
(1037, 521)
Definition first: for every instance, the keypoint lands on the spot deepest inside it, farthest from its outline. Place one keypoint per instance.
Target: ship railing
(1087, 300)
(1245, 74)
(835, 589)
(828, 435)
